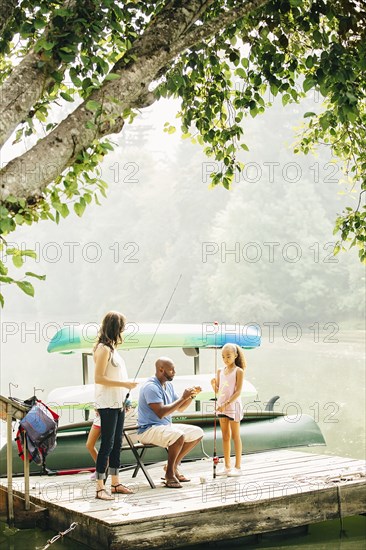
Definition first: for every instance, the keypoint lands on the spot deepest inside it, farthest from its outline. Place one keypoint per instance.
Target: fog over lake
(261, 253)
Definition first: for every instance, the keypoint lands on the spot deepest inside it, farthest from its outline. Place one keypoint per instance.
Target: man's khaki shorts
(166, 435)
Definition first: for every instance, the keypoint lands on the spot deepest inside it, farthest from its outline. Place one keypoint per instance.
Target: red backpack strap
(19, 438)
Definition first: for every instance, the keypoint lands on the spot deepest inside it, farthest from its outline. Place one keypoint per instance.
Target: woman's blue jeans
(111, 428)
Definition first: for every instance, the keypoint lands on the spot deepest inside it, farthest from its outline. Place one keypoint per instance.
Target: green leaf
(309, 62)
(79, 208)
(3, 269)
(29, 253)
(92, 105)
(285, 99)
(324, 122)
(6, 225)
(26, 287)
(112, 76)
(64, 210)
(18, 260)
(309, 83)
(1, 300)
(107, 145)
(39, 24)
(67, 97)
(317, 37)
(61, 208)
(240, 72)
(75, 79)
(43, 44)
(91, 125)
(31, 274)
(65, 56)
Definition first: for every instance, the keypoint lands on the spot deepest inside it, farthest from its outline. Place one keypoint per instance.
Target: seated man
(157, 400)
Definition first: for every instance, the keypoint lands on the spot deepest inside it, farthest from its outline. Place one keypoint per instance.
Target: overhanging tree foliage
(110, 58)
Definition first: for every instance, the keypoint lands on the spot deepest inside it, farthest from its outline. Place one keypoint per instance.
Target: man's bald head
(164, 369)
(163, 362)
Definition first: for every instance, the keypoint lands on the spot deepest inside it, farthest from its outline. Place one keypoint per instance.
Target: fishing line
(153, 336)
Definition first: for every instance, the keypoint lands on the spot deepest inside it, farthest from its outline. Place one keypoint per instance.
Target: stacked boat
(260, 429)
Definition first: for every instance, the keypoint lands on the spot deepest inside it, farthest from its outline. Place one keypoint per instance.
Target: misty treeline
(260, 253)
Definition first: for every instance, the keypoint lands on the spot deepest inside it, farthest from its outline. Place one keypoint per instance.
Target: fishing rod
(215, 457)
(153, 336)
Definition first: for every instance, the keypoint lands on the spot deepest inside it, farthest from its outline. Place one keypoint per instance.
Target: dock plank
(279, 489)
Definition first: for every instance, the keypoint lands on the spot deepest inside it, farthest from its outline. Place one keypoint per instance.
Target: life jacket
(39, 426)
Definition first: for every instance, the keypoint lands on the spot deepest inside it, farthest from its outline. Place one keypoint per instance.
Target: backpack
(40, 429)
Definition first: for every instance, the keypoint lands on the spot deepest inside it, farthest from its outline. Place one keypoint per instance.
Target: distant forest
(261, 252)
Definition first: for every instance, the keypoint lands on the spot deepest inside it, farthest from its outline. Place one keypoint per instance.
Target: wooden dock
(279, 490)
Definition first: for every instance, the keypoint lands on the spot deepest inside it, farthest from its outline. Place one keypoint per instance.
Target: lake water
(320, 374)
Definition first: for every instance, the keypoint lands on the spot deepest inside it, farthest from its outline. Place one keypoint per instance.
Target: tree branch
(210, 28)
(170, 33)
(7, 8)
(27, 82)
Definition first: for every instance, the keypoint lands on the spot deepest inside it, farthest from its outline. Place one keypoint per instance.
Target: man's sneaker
(223, 472)
(235, 472)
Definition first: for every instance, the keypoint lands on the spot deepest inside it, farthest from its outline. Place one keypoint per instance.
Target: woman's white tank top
(112, 397)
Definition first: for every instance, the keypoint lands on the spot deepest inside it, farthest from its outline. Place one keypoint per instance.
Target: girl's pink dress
(227, 384)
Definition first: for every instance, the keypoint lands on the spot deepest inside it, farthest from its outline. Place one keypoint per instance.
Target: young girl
(228, 385)
(93, 437)
(110, 387)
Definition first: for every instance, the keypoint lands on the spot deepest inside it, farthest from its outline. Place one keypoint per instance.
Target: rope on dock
(342, 532)
(60, 535)
(203, 449)
(340, 508)
(345, 476)
(341, 477)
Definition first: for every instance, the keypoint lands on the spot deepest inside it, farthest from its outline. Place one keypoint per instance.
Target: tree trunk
(170, 33)
(7, 8)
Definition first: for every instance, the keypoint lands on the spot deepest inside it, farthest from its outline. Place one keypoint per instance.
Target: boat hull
(83, 396)
(259, 433)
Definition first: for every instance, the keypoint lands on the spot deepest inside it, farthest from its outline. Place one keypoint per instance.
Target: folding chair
(138, 450)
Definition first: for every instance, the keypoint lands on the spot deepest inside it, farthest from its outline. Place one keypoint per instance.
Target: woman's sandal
(125, 490)
(108, 497)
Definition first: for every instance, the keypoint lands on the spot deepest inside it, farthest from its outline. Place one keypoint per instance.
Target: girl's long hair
(240, 358)
(110, 332)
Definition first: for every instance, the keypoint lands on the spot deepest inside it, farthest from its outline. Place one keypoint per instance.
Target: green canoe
(168, 335)
(260, 431)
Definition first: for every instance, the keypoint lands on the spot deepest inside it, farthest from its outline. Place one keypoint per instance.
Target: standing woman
(110, 385)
